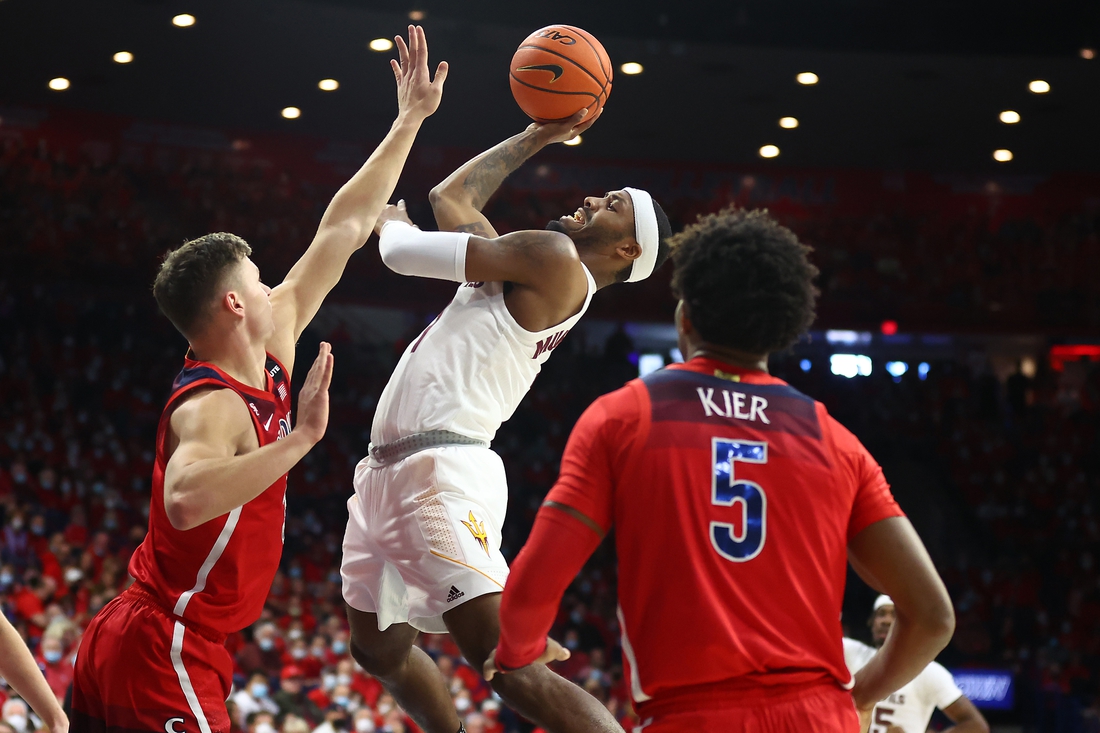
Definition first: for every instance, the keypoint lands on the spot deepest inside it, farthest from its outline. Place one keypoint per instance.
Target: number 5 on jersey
(727, 491)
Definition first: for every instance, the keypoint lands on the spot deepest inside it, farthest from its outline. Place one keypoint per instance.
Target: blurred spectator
(291, 698)
(254, 697)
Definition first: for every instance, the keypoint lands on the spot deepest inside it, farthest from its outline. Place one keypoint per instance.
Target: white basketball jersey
(469, 369)
(911, 707)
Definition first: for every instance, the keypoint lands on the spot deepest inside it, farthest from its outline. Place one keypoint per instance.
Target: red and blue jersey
(733, 497)
(218, 574)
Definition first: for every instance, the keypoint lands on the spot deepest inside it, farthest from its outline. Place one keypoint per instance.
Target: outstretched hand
(393, 213)
(313, 399)
(417, 94)
(559, 132)
(554, 652)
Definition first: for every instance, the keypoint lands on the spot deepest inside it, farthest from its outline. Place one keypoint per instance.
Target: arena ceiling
(919, 87)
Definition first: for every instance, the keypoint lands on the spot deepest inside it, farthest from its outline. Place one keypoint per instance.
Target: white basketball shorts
(423, 535)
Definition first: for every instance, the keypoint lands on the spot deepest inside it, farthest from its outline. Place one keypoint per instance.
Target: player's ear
(683, 319)
(629, 249)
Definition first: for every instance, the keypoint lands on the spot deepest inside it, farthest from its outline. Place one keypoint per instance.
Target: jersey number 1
(728, 491)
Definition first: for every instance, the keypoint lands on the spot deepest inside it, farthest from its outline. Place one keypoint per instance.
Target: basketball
(558, 71)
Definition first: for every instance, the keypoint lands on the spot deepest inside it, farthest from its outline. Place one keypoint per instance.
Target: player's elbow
(936, 619)
(443, 194)
(182, 514)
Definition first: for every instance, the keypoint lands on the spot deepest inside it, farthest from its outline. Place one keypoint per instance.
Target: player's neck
(235, 355)
(733, 357)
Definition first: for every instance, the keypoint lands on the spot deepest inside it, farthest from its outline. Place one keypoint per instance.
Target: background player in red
(154, 660)
(737, 501)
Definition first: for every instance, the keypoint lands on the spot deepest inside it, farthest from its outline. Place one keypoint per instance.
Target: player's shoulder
(209, 405)
(623, 403)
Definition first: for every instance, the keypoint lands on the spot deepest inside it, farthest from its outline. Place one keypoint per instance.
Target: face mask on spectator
(295, 572)
(328, 681)
(73, 575)
(258, 690)
(110, 524)
(364, 725)
(19, 722)
(462, 704)
(384, 707)
(298, 653)
(576, 617)
(53, 656)
(343, 679)
(6, 578)
(318, 651)
(264, 727)
(339, 647)
(266, 644)
(341, 700)
(17, 524)
(571, 644)
(294, 634)
(38, 529)
(99, 487)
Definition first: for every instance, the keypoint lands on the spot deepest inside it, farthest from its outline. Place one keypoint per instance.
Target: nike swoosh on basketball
(268, 421)
(557, 70)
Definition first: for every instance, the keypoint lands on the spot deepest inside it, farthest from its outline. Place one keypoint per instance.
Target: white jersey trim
(635, 679)
(534, 336)
(204, 572)
(185, 679)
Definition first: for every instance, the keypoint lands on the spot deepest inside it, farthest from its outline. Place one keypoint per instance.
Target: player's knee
(377, 661)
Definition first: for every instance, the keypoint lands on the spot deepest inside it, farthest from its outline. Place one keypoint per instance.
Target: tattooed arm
(458, 200)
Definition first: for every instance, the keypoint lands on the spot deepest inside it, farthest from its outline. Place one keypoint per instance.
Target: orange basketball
(558, 71)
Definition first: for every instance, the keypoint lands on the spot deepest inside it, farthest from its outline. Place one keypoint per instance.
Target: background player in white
(422, 547)
(909, 709)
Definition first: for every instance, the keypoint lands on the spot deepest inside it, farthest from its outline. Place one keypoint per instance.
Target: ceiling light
(1010, 117)
(381, 44)
(123, 57)
(59, 84)
(328, 85)
(1002, 156)
(1038, 87)
(291, 113)
(769, 151)
(1088, 53)
(576, 140)
(807, 78)
(183, 20)
(788, 123)
(630, 68)
(417, 15)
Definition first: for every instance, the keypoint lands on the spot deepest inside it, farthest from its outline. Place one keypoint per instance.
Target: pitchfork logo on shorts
(477, 529)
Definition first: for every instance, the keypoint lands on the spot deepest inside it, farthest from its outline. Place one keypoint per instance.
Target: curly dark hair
(747, 280)
(190, 276)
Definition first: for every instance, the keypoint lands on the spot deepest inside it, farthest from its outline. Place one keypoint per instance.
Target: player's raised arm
(212, 472)
(350, 216)
(891, 558)
(18, 667)
(541, 259)
(459, 199)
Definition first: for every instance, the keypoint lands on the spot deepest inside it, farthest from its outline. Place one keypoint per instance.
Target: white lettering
(709, 405)
(739, 406)
(759, 404)
(170, 725)
(729, 408)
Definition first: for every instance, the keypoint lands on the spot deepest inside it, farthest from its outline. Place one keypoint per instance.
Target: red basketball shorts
(820, 709)
(139, 669)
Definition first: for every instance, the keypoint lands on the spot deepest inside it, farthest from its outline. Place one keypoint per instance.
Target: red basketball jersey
(218, 574)
(733, 497)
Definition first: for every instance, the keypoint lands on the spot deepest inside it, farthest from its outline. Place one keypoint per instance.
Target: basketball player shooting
(154, 659)
(422, 547)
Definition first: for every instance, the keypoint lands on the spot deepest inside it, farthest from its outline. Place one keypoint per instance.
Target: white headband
(646, 232)
(882, 601)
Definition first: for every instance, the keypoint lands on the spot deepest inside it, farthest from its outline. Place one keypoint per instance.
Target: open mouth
(577, 217)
